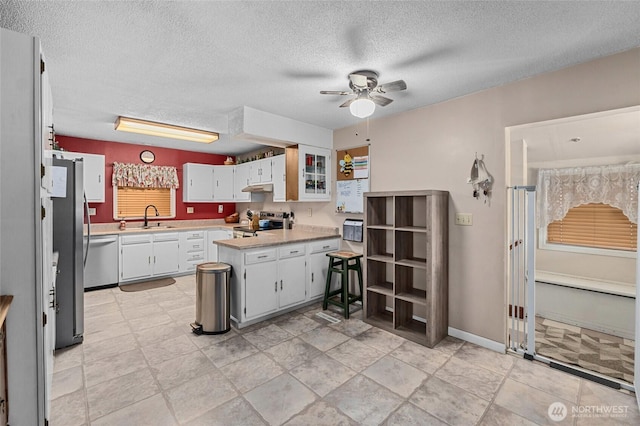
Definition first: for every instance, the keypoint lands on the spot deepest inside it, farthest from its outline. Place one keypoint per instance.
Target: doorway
(532, 329)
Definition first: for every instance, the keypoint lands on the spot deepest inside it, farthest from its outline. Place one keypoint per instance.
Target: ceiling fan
(364, 84)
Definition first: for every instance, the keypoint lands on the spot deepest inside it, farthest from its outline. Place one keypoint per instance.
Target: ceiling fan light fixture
(362, 107)
(152, 128)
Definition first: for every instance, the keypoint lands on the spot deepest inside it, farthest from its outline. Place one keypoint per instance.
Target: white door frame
(528, 350)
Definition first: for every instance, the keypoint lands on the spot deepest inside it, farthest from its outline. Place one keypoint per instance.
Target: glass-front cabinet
(316, 173)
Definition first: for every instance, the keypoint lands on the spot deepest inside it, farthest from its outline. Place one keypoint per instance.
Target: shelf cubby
(406, 256)
(380, 276)
(411, 248)
(380, 211)
(380, 244)
(410, 284)
(408, 322)
(409, 211)
(376, 309)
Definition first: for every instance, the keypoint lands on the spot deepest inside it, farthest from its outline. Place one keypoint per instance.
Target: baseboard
(477, 340)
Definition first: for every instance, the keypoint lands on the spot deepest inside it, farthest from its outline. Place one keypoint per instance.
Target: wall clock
(147, 156)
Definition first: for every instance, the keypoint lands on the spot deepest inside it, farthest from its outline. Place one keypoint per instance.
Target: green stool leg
(328, 285)
(345, 287)
(359, 270)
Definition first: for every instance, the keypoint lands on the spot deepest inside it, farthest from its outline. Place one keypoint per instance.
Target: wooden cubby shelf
(406, 264)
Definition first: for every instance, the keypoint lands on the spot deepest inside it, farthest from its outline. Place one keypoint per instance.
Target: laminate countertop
(136, 228)
(275, 238)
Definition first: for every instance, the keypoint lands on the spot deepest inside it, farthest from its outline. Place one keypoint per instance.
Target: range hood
(261, 187)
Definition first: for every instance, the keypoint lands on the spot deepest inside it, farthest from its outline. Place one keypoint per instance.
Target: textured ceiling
(192, 62)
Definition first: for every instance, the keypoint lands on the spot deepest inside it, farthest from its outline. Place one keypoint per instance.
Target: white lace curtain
(561, 189)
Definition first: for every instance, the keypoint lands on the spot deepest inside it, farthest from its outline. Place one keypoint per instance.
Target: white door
(261, 289)
(166, 255)
(198, 182)
(93, 175)
(292, 283)
(241, 180)
(318, 267)
(224, 188)
(279, 178)
(135, 261)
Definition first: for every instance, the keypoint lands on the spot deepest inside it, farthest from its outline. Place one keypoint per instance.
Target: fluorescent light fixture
(362, 107)
(151, 128)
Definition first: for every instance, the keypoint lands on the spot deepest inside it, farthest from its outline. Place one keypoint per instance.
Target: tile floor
(141, 365)
(610, 355)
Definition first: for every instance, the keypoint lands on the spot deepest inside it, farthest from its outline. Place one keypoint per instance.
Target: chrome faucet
(146, 221)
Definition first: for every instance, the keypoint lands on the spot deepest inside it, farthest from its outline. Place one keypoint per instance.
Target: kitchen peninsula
(276, 271)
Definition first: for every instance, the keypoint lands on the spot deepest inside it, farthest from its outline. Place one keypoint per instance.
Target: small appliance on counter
(261, 221)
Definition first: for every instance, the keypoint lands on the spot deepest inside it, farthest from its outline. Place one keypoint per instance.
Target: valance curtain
(561, 189)
(144, 176)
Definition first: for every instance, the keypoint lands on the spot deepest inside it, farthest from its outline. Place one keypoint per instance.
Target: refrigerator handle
(86, 210)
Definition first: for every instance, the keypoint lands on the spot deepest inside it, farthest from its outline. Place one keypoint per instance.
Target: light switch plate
(189, 209)
(220, 208)
(464, 219)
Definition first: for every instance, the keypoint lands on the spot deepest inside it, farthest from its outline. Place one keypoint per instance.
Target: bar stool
(339, 263)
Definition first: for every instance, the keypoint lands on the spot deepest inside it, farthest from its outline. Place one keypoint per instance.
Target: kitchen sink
(158, 227)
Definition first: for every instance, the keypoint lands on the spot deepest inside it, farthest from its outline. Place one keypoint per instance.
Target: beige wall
(433, 148)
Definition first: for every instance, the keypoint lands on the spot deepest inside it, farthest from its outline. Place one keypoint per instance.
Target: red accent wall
(129, 153)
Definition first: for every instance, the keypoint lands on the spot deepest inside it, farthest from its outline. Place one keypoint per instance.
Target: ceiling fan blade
(347, 103)
(394, 86)
(380, 100)
(358, 80)
(335, 92)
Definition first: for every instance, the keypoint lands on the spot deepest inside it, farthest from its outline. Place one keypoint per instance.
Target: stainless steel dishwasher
(102, 261)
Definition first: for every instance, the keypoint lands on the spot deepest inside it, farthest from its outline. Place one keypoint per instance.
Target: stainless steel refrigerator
(68, 217)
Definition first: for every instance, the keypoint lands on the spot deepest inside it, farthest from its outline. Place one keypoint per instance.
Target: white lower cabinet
(148, 255)
(268, 280)
(135, 257)
(318, 266)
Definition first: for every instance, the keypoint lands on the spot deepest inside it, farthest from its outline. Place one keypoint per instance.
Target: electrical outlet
(220, 208)
(309, 212)
(189, 210)
(464, 219)
(92, 211)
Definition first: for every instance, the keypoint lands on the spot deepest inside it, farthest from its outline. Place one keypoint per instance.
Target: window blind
(132, 201)
(594, 225)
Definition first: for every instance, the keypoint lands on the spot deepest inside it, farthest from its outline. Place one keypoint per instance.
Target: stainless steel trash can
(212, 298)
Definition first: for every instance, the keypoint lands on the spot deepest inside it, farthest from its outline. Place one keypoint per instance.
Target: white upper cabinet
(241, 180)
(198, 182)
(261, 171)
(223, 189)
(315, 173)
(279, 178)
(92, 173)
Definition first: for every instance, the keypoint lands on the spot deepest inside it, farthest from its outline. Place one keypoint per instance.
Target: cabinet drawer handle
(276, 287)
(280, 284)
(312, 277)
(325, 247)
(149, 260)
(262, 256)
(196, 246)
(293, 251)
